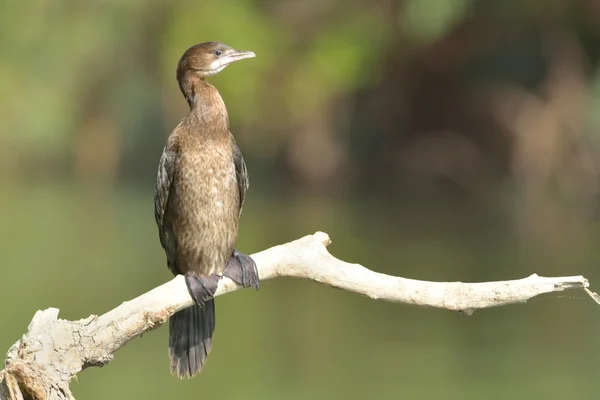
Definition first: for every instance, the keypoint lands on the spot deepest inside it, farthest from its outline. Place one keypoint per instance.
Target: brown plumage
(200, 189)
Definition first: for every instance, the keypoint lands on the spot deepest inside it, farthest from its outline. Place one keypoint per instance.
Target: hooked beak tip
(239, 55)
(244, 54)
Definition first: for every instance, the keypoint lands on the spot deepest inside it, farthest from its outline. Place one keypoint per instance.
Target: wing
(164, 182)
(241, 174)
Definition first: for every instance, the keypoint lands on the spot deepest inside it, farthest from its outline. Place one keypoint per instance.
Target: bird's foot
(202, 288)
(241, 269)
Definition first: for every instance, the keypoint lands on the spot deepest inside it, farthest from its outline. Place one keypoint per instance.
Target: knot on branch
(42, 363)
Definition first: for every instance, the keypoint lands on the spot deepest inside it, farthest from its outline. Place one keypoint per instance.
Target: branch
(42, 364)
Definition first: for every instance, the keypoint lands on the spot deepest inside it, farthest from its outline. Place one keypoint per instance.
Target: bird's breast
(206, 209)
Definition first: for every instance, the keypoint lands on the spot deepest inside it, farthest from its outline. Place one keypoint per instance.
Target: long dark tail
(190, 339)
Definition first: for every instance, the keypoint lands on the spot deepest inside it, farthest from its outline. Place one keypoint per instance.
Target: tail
(190, 339)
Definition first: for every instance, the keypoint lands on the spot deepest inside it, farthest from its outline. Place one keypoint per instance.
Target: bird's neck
(206, 106)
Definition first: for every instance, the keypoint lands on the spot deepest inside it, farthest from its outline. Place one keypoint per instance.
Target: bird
(200, 190)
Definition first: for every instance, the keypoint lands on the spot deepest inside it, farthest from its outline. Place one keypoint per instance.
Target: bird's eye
(218, 53)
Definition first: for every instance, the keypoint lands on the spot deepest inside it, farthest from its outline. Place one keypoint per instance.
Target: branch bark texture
(43, 362)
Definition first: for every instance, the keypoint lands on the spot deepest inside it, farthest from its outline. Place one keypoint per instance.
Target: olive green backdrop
(436, 140)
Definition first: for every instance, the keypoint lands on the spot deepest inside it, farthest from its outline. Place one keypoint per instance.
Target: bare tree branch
(42, 364)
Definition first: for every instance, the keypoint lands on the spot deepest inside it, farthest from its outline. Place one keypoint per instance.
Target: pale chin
(215, 69)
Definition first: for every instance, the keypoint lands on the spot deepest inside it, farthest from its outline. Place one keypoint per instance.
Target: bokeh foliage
(439, 139)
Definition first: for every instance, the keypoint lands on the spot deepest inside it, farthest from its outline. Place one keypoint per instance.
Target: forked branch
(42, 364)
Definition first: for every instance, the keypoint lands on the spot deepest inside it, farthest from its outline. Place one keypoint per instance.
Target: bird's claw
(241, 269)
(202, 288)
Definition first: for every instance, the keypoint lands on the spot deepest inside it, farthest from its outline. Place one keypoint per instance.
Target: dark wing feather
(164, 182)
(241, 174)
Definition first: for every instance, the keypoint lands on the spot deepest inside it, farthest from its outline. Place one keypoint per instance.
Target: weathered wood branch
(42, 364)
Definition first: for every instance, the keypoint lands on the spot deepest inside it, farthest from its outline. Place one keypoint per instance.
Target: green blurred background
(438, 140)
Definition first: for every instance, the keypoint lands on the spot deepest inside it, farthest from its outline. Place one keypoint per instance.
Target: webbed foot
(241, 269)
(202, 288)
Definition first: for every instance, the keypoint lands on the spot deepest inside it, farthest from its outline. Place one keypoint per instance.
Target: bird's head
(209, 58)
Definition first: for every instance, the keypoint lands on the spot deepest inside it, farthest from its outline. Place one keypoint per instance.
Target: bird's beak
(236, 56)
